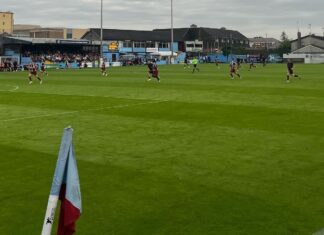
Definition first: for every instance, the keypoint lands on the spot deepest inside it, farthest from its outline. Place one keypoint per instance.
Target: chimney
(299, 43)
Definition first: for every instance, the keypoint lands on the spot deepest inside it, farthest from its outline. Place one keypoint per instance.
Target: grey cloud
(251, 17)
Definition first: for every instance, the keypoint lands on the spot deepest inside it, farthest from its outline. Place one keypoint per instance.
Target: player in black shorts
(238, 64)
(290, 72)
(264, 61)
(186, 63)
(252, 65)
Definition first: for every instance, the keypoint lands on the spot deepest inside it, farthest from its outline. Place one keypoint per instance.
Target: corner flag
(66, 187)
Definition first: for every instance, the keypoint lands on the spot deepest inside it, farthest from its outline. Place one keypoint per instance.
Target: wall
(6, 22)
(306, 58)
(78, 33)
(47, 34)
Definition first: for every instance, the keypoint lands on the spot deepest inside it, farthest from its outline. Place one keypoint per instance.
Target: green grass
(196, 154)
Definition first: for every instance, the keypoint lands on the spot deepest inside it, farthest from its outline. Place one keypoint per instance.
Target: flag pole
(49, 215)
(57, 181)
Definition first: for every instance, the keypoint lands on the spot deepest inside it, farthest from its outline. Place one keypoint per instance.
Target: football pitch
(195, 154)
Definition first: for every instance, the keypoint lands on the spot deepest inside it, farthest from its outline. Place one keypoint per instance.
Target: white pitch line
(14, 89)
(79, 111)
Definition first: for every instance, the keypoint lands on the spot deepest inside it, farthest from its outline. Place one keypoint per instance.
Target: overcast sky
(250, 17)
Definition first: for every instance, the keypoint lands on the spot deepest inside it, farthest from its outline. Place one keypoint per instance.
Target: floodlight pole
(101, 30)
(266, 43)
(231, 43)
(310, 29)
(171, 31)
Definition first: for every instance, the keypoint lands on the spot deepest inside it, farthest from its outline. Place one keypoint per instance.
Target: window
(190, 45)
(139, 44)
(150, 45)
(128, 44)
(69, 34)
(163, 45)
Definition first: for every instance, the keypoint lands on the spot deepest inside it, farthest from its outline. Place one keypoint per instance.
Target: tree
(284, 37)
(226, 51)
(285, 45)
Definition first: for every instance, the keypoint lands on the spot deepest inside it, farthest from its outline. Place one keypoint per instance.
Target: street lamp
(101, 30)
(171, 30)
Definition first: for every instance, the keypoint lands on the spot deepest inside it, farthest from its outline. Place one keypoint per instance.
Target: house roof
(313, 36)
(201, 33)
(28, 40)
(223, 33)
(118, 34)
(180, 34)
(260, 39)
(309, 49)
(16, 40)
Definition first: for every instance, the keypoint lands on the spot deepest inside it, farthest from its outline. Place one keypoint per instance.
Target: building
(308, 44)
(36, 31)
(126, 45)
(23, 30)
(260, 43)
(202, 39)
(193, 40)
(6, 22)
(308, 49)
(62, 33)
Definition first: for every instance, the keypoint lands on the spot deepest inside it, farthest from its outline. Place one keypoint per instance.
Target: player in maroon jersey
(43, 69)
(150, 70)
(155, 71)
(234, 70)
(33, 73)
(104, 69)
